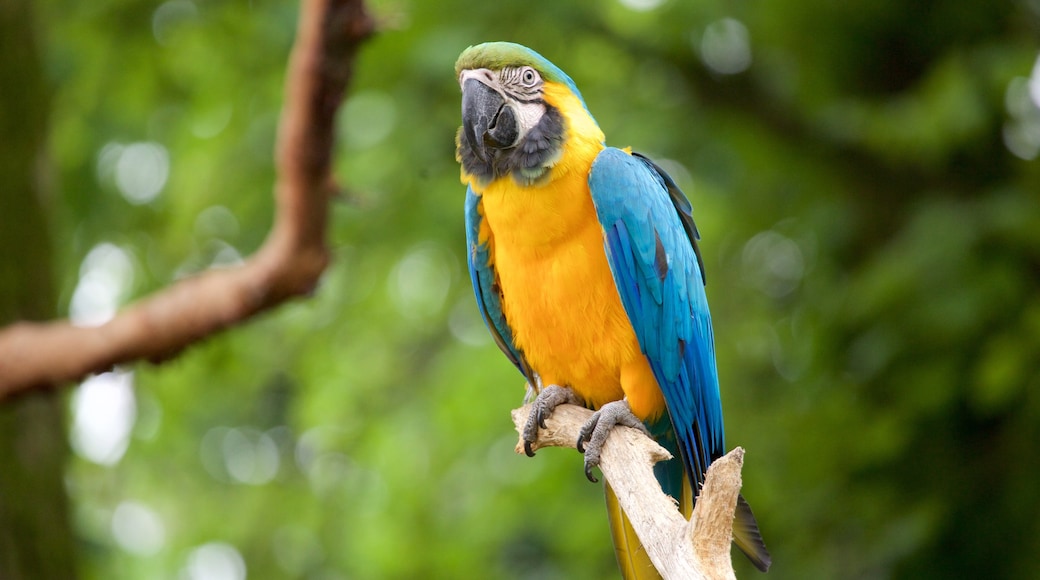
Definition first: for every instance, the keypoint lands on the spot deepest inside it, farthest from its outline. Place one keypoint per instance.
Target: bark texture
(680, 549)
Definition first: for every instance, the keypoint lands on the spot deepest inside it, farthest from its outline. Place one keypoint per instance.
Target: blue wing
(485, 285)
(651, 245)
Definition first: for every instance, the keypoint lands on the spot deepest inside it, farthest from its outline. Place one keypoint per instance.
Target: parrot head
(518, 113)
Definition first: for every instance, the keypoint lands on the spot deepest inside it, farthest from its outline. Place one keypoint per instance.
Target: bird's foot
(547, 400)
(595, 431)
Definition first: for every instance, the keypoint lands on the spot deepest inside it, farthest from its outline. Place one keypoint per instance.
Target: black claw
(594, 432)
(545, 402)
(588, 474)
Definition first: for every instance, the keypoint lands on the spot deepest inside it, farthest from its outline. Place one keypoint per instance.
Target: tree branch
(34, 355)
(699, 548)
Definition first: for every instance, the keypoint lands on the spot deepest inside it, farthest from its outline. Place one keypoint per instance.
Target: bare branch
(680, 549)
(34, 355)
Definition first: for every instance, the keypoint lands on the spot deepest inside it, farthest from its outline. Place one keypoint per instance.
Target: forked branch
(680, 549)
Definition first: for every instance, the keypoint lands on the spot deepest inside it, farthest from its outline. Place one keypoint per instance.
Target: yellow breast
(558, 293)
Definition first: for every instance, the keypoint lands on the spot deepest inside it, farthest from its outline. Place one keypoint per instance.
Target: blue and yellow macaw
(585, 265)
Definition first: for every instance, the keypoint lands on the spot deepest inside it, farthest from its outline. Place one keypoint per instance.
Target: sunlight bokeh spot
(224, 255)
(420, 282)
(141, 171)
(107, 158)
(1034, 83)
(1022, 139)
(211, 453)
(773, 263)
(316, 458)
(103, 411)
(250, 457)
(216, 221)
(309, 445)
(328, 472)
(725, 46)
(215, 561)
(138, 529)
(641, 5)
(367, 118)
(169, 16)
(1021, 131)
(105, 278)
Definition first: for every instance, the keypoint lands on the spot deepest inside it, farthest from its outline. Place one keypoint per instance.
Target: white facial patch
(481, 74)
(529, 114)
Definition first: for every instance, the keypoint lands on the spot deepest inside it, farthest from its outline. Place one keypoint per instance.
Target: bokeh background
(864, 175)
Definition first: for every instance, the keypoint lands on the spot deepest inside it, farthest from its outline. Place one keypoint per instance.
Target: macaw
(586, 269)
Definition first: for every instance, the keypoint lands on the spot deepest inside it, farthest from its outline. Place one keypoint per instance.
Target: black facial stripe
(537, 99)
(512, 82)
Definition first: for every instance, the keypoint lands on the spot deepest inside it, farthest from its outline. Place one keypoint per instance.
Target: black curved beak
(487, 120)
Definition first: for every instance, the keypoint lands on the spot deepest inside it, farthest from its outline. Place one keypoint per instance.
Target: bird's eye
(528, 76)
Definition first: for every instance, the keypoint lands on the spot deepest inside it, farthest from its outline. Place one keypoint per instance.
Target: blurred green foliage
(864, 176)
